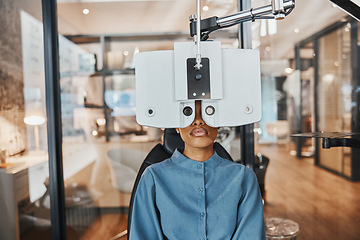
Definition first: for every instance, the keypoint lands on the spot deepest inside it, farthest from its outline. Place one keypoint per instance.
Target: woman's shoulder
(159, 166)
(230, 163)
(236, 168)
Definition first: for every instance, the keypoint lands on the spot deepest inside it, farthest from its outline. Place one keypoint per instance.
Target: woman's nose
(198, 122)
(198, 119)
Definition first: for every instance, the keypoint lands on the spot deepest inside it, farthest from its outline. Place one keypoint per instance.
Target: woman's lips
(198, 132)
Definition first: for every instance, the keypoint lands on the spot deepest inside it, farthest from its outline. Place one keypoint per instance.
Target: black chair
(261, 165)
(159, 153)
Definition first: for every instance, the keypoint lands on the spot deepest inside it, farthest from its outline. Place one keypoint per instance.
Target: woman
(196, 194)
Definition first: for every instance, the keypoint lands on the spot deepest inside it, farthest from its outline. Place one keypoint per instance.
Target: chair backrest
(159, 153)
(172, 140)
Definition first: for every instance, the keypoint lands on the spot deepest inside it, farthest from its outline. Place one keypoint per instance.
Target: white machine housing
(162, 93)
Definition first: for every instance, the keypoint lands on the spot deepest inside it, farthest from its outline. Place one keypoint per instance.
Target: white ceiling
(147, 16)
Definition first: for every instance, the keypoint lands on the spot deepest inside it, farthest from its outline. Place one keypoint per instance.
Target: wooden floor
(326, 206)
(106, 227)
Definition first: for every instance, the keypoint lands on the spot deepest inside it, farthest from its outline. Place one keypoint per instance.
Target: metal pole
(54, 128)
(355, 110)
(198, 37)
(104, 75)
(298, 141)
(246, 131)
(316, 100)
(245, 36)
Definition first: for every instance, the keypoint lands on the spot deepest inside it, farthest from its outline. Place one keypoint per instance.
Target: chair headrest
(221, 151)
(172, 140)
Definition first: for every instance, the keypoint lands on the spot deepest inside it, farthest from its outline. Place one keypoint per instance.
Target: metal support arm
(214, 23)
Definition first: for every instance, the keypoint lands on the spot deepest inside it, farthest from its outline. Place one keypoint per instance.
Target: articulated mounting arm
(279, 9)
(334, 139)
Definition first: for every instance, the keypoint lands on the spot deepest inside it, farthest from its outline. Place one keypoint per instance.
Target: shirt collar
(180, 159)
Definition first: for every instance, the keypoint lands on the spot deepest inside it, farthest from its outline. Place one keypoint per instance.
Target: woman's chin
(202, 142)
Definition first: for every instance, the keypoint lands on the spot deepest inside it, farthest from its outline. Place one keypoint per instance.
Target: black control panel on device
(198, 81)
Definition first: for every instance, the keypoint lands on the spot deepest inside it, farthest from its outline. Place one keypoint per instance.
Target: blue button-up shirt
(180, 198)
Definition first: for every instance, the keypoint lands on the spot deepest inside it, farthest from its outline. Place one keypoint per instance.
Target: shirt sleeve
(145, 223)
(250, 218)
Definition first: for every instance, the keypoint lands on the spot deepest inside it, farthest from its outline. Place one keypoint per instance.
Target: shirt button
(202, 214)
(199, 166)
(201, 190)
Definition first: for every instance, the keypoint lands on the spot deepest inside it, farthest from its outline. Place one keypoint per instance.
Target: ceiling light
(86, 11)
(296, 30)
(328, 78)
(288, 70)
(101, 121)
(126, 53)
(206, 8)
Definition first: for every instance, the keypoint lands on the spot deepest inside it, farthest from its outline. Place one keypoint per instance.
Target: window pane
(334, 93)
(103, 145)
(24, 193)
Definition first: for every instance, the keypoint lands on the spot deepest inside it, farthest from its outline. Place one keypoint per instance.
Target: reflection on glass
(334, 95)
(307, 100)
(24, 197)
(103, 146)
(279, 98)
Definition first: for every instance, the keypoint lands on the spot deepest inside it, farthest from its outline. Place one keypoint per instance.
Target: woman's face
(198, 134)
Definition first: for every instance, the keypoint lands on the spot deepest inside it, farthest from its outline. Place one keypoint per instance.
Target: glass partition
(103, 145)
(321, 92)
(24, 185)
(334, 95)
(305, 121)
